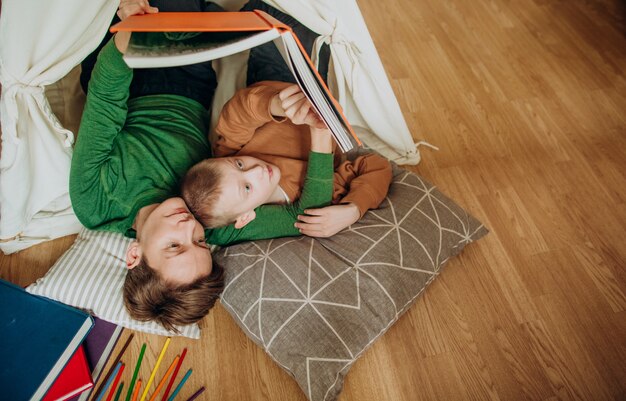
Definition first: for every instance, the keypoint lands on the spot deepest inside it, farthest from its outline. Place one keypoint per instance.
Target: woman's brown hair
(148, 297)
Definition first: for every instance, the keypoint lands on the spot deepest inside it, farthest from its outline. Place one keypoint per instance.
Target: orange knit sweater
(247, 128)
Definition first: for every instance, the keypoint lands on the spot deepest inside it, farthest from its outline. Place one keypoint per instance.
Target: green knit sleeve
(103, 118)
(105, 109)
(274, 221)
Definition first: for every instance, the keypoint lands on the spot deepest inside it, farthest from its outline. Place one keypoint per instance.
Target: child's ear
(133, 255)
(244, 219)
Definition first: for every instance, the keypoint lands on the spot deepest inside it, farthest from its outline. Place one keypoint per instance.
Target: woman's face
(172, 241)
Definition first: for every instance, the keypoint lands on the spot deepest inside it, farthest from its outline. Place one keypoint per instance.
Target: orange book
(219, 34)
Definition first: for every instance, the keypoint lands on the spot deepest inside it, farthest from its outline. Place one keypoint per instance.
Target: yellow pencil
(156, 366)
(162, 382)
(138, 385)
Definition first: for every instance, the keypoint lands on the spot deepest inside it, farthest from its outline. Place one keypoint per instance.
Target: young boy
(262, 151)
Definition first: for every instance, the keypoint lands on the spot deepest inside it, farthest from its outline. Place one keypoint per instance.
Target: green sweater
(278, 220)
(133, 153)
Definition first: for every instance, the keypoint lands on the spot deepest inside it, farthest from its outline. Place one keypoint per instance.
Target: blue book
(38, 336)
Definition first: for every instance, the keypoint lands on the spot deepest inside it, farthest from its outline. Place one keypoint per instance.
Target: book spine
(325, 88)
(271, 21)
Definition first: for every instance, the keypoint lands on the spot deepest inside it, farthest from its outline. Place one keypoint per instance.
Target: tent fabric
(357, 77)
(40, 43)
(36, 149)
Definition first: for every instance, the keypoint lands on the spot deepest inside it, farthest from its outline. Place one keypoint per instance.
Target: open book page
(155, 49)
(156, 42)
(312, 88)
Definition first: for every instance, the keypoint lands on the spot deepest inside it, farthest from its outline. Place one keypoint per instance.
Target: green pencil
(119, 392)
(132, 381)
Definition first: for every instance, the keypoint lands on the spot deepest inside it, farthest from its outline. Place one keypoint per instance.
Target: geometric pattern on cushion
(314, 305)
(90, 276)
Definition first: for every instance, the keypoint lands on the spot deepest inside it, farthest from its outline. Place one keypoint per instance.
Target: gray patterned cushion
(314, 305)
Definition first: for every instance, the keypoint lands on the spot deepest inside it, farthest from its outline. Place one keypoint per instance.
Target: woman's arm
(274, 221)
(359, 185)
(103, 119)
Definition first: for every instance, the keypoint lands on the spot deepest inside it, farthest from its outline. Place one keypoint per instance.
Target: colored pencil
(196, 394)
(178, 365)
(154, 370)
(136, 390)
(119, 392)
(180, 385)
(115, 361)
(132, 382)
(108, 382)
(162, 382)
(118, 376)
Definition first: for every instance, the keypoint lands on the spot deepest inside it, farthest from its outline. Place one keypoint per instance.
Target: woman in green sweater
(133, 147)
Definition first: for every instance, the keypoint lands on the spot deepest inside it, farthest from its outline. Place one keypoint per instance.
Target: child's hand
(327, 221)
(297, 107)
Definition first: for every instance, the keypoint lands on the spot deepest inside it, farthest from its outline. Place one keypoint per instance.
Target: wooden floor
(527, 101)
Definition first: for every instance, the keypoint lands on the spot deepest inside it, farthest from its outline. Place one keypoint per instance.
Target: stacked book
(55, 351)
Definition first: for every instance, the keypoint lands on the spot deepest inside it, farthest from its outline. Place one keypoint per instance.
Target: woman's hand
(125, 10)
(327, 221)
(134, 7)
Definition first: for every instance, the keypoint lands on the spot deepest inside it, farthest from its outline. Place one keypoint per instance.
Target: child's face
(246, 183)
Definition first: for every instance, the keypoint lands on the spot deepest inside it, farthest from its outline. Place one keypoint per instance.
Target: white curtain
(357, 76)
(40, 42)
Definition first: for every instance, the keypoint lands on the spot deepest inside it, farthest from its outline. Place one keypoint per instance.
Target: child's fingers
(310, 229)
(297, 112)
(314, 120)
(312, 233)
(302, 112)
(314, 230)
(319, 123)
(314, 212)
(309, 219)
(293, 99)
(288, 91)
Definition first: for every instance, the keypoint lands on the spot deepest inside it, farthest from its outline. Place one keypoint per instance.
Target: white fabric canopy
(357, 77)
(40, 42)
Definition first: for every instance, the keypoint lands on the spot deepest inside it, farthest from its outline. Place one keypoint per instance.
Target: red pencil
(115, 383)
(169, 385)
(117, 359)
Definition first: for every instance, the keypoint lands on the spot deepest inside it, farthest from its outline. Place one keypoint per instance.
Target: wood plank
(526, 101)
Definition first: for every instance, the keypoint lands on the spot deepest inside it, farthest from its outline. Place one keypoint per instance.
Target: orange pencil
(156, 367)
(136, 392)
(162, 382)
(169, 386)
